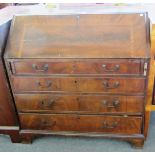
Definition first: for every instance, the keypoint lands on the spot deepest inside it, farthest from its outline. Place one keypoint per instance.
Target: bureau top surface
(79, 36)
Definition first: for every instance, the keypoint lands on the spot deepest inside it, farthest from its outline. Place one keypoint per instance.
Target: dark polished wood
(82, 75)
(77, 66)
(7, 110)
(81, 123)
(79, 84)
(79, 36)
(79, 103)
(137, 143)
(8, 118)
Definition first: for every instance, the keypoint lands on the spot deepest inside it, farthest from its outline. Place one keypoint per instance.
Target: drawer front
(75, 84)
(82, 123)
(78, 103)
(88, 66)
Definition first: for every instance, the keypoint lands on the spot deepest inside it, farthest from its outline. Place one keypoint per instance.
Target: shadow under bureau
(81, 75)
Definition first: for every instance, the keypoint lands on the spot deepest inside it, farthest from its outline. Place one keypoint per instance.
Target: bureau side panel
(7, 109)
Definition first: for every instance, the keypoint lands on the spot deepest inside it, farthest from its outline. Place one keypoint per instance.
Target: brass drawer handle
(115, 68)
(47, 102)
(107, 125)
(107, 85)
(44, 68)
(45, 85)
(115, 104)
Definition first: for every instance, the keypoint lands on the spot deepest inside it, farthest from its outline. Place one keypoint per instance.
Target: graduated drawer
(75, 66)
(81, 123)
(78, 84)
(78, 103)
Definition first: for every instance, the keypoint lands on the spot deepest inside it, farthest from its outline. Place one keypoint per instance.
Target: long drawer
(75, 66)
(79, 84)
(78, 103)
(81, 123)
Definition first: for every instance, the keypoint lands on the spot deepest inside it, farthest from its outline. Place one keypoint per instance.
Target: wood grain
(79, 103)
(66, 72)
(81, 84)
(83, 123)
(77, 66)
(108, 36)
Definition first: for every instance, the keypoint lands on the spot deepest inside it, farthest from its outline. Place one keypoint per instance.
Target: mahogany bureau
(80, 75)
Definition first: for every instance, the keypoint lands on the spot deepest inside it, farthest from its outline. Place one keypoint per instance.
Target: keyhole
(77, 99)
(74, 67)
(75, 81)
(44, 122)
